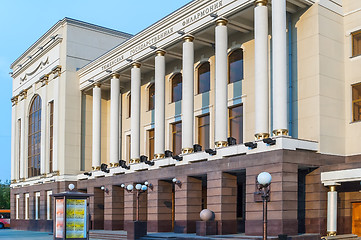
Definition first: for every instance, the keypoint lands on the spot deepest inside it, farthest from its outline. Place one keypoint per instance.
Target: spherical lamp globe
(144, 188)
(138, 186)
(130, 187)
(264, 178)
(71, 187)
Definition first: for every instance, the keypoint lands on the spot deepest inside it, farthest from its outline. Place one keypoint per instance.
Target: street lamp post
(139, 188)
(264, 180)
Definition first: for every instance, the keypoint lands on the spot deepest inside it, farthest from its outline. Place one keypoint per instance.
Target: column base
(134, 160)
(220, 144)
(187, 150)
(159, 155)
(260, 136)
(331, 233)
(280, 132)
(96, 168)
(114, 164)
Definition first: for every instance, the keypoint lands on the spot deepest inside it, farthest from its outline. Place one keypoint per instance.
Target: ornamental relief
(40, 66)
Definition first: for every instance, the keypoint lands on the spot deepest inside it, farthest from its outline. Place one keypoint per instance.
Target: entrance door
(356, 218)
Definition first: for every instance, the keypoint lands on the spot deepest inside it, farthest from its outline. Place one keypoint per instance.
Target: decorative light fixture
(88, 174)
(213, 15)
(139, 189)
(231, 141)
(180, 32)
(177, 182)
(178, 158)
(269, 141)
(71, 187)
(104, 189)
(123, 164)
(144, 159)
(104, 168)
(168, 153)
(263, 181)
(251, 145)
(108, 71)
(211, 151)
(197, 148)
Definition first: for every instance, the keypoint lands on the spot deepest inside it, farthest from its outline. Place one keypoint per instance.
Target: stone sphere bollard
(206, 215)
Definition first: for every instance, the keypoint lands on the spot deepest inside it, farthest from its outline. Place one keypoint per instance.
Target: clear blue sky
(22, 22)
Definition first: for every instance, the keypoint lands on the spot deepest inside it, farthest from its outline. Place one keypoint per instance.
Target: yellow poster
(76, 218)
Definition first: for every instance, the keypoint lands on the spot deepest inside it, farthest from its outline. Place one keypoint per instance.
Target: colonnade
(262, 102)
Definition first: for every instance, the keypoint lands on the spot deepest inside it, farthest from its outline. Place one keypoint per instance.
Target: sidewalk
(24, 235)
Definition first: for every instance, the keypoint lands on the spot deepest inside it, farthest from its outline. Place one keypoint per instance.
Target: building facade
(211, 95)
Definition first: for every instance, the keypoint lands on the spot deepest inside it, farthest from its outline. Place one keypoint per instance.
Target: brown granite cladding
(114, 208)
(282, 164)
(129, 206)
(282, 209)
(31, 224)
(316, 204)
(188, 204)
(160, 207)
(143, 206)
(222, 200)
(96, 206)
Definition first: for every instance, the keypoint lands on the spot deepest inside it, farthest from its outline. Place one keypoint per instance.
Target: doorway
(356, 218)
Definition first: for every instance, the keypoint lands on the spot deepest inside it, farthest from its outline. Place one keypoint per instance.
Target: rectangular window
(177, 138)
(203, 131)
(236, 123)
(37, 206)
(128, 148)
(51, 132)
(151, 97)
(19, 147)
(356, 44)
(49, 205)
(26, 199)
(129, 106)
(356, 102)
(151, 143)
(17, 202)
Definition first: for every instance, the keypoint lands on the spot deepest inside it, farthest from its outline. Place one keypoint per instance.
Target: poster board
(76, 218)
(59, 218)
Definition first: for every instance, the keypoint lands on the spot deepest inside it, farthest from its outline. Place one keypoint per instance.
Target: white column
(23, 164)
(14, 125)
(96, 154)
(56, 123)
(135, 113)
(188, 95)
(114, 120)
(44, 133)
(332, 211)
(279, 56)
(221, 83)
(159, 134)
(261, 69)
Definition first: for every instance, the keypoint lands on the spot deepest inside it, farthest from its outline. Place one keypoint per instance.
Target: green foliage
(5, 195)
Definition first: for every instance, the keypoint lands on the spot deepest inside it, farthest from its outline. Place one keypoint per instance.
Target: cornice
(61, 23)
(145, 33)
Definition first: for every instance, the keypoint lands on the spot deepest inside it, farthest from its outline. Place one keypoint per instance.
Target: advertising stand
(71, 216)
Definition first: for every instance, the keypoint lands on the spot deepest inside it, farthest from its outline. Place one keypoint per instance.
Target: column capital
(97, 84)
(115, 75)
(221, 22)
(136, 64)
(260, 3)
(160, 52)
(332, 188)
(188, 38)
(14, 100)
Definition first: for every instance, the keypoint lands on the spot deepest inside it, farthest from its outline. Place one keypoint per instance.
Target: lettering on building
(112, 62)
(202, 13)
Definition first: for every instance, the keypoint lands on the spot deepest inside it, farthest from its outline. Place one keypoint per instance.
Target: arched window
(204, 77)
(235, 67)
(177, 87)
(34, 143)
(151, 96)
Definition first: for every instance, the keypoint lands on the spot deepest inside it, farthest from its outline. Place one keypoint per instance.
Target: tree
(5, 195)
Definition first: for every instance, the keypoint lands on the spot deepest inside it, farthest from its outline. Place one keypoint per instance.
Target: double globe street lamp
(263, 181)
(139, 188)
